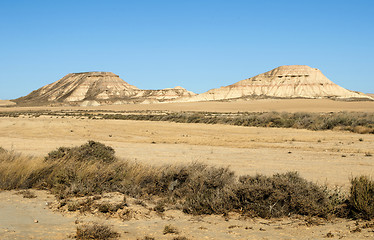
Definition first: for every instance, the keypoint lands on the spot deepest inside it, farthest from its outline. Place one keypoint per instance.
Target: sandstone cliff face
(96, 88)
(165, 94)
(295, 81)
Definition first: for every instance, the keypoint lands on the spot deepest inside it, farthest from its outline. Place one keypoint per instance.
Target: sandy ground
(18, 221)
(321, 156)
(261, 105)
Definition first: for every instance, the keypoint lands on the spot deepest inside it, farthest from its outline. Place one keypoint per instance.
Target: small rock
(36, 221)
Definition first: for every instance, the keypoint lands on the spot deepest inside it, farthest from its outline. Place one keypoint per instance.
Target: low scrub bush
(91, 151)
(362, 197)
(208, 190)
(96, 231)
(346, 121)
(170, 229)
(281, 195)
(195, 188)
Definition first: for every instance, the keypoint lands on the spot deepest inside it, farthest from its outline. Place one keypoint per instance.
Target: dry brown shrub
(96, 231)
(281, 195)
(196, 188)
(170, 229)
(362, 197)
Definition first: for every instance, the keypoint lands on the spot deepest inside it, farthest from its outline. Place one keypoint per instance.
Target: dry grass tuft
(147, 238)
(170, 229)
(96, 231)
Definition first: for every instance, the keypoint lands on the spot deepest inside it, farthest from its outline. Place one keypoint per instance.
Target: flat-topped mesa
(294, 81)
(83, 86)
(96, 88)
(294, 74)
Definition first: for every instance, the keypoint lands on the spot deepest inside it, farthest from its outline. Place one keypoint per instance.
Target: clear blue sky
(196, 44)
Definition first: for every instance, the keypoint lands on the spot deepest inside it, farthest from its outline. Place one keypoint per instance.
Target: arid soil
(325, 157)
(37, 218)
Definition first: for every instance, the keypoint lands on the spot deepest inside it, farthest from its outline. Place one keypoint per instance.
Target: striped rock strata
(96, 88)
(294, 81)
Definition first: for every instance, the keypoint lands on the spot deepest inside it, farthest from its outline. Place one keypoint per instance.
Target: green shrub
(362, 197)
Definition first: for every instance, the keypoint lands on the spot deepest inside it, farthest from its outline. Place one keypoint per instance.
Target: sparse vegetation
(195, 188)
(281, 195)
(91, 151)
(27, 194)
(357, 122)
(96, 231)
(180, 238)
(170, 229)
(362, 197)
(147, 238)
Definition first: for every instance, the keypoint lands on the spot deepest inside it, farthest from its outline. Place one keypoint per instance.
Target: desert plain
(327, 157)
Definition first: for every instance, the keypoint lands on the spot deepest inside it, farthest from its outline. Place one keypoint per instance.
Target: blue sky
(196, 44)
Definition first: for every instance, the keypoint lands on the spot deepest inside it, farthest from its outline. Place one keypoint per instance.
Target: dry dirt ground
(326, 157)
(323, 156)
(37, 218)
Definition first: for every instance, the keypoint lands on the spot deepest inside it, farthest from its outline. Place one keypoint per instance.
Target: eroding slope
(294, 81)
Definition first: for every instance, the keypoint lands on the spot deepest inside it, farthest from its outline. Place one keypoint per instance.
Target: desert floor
(322, 156)
(325, 157)
(35, 218)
